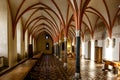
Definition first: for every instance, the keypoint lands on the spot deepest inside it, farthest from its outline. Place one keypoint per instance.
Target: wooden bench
(114, 64)
(20, 71)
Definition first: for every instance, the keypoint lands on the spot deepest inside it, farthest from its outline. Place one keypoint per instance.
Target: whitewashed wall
(110, 53)
(12, 46)
(12, 43)
(3, 29)
(116, 35)
(86, 50)
(26, 43)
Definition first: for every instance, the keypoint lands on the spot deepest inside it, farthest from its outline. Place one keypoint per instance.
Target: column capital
(77, 33)
(57, 42)
(92, 40)
(54, 44)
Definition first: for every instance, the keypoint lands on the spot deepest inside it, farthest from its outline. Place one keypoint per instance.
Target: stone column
(54, 49)
(57, 50)
(77, 72)
(65, 52)
(92, 50)
(60, 50)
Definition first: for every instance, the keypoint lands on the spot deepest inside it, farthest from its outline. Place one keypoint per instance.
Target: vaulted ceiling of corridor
(53, 16)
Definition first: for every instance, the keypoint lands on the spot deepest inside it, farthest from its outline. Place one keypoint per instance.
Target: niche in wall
(46, 36)
(107, 43)
(73, 49)
(113, 42)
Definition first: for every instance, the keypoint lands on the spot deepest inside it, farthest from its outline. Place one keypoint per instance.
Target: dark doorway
(62, 45)
(30, 50)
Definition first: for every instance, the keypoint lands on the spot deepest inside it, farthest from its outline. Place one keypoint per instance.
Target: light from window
(47, 46)
(46, 37)
(18, 38)
(26, 43)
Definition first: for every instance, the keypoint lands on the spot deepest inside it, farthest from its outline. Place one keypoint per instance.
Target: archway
(44, 43)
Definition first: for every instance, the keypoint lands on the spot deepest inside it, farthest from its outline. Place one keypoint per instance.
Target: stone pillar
(92, 50)
(57, 50)
(54, 49)
(65, 52)
(60, 50)
(77, 72)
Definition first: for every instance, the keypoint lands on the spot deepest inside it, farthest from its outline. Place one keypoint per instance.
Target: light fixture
(118, 6)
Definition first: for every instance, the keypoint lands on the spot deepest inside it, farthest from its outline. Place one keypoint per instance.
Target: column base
(60, 59)
(77, 76)
(65, 65)
(57, 57)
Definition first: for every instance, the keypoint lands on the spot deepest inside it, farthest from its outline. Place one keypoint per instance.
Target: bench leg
(115, 71)
(106, 67)
(118, 72)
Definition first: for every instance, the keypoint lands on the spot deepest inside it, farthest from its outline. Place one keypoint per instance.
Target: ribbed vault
(64, 16)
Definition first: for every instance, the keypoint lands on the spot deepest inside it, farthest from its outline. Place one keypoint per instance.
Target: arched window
(107, 43)
(3, 33)
(46, 36)
(113, 43)
(47, 46)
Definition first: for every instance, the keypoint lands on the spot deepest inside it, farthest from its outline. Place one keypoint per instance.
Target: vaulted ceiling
(55, 16)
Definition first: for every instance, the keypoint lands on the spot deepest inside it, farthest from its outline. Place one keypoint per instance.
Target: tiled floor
(47, 68)
(50, 68)
(92, 71)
